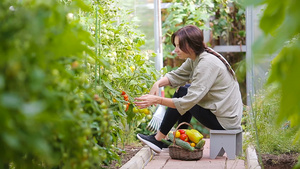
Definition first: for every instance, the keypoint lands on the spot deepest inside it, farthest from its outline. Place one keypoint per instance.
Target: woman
(213, 96)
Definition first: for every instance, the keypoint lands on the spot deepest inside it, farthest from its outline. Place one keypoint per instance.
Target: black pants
(204, 116)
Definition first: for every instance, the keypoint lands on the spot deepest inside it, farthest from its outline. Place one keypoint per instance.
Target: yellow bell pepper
(194, 135)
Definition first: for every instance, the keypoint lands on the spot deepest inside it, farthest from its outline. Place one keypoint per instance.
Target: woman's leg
(206, 117)
(172, 116)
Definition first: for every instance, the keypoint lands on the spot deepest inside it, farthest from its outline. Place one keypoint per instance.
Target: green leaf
(273, 17)
(2, 82)
(107, 84)
(10, 100)
(11, 140)
(33, 108)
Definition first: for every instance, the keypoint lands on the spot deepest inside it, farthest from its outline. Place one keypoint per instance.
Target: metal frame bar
(230, 48)
(249, 57)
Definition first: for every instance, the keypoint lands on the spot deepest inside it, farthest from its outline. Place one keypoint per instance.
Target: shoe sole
(151, 145)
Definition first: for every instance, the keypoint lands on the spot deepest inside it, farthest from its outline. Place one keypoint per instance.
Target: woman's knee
(182, 91)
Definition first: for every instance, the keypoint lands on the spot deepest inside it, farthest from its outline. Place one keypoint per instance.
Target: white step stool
(229, 141)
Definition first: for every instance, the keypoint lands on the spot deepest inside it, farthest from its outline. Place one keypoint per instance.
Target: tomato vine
(63, 65)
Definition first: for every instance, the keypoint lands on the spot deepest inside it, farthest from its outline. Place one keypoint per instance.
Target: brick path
(163, 161)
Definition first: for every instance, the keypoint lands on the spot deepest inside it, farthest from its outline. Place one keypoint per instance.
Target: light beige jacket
(212, 87)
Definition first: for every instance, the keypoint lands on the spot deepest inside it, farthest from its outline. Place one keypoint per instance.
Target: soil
(282, 161)
(130, 151)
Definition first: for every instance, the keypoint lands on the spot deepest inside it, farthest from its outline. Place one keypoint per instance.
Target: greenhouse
(132, 84)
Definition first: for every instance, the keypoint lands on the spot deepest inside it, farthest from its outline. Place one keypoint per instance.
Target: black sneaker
(164, 145)
(151, 142)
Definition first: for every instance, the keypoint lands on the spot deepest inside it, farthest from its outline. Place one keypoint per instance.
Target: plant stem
(96, 46)
(256, 134)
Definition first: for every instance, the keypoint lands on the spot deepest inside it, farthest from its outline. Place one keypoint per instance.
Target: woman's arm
(164, 81)
(178, 77)
(153, 97)
(149, 99)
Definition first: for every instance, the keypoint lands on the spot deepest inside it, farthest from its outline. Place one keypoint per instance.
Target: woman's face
(180, 53)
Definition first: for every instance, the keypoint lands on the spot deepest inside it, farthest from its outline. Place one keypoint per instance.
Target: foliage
(182, 13)
(42, 119)
(281, 27)
(226, 19)
(63, 65)
(272, 139)
(228, 23)
(130, 70)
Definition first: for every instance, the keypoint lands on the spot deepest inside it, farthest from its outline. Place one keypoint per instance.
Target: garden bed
(282, 161)
(130, 151)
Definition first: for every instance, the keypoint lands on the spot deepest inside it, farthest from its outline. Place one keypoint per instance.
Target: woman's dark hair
(191, 36)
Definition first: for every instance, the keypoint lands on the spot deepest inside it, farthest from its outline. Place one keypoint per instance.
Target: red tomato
(181, 131)
(126, 97)
(184, 137)
(123, 93)
(127, 106)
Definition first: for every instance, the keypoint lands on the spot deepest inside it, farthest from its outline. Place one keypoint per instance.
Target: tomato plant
(117, 45)
(44, 82)
(63, 64)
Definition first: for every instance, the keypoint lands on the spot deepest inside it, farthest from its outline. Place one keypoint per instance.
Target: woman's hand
(147, 100)
(164, 81)
(155, 89)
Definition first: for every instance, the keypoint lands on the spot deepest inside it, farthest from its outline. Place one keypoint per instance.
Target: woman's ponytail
(229, 68)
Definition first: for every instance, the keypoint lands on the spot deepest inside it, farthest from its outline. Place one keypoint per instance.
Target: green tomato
(106, 72)
(87, 132)
(110, 77)
(104, 31)
(111, 60)
(135, 110)
(103, 26)
(111, 33)
(114, 54)
(113, 69)
(145, 111)
(143, 120)
(65, 155)
(103, 105)
(149, 116)
(55, 72)
(99, 89)
(95, 148)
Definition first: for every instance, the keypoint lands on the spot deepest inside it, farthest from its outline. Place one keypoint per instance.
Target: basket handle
(178, 127)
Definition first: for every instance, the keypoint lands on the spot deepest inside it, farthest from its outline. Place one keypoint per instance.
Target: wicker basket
(177, 152)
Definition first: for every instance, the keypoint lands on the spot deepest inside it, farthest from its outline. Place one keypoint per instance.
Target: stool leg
(229, 142)
(214, 152)
(214, 146)
(230, 146)
(239, 144)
